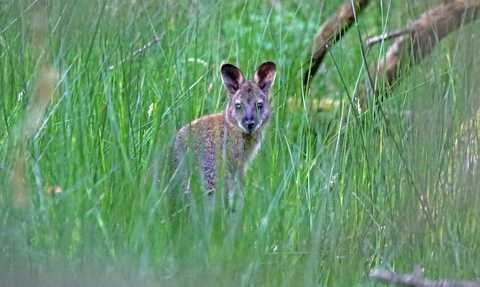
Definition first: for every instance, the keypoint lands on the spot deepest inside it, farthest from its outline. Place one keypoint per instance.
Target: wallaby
(232, 137)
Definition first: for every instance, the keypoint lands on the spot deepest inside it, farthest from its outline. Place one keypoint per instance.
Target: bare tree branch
(417, 280)
(332, 31)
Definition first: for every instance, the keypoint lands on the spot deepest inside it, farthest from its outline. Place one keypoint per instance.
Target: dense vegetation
(330, 195)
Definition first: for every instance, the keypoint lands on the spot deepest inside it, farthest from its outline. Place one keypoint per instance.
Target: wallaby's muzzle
(248, 121)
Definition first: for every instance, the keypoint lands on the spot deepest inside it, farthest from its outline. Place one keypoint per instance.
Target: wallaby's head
(248, 106)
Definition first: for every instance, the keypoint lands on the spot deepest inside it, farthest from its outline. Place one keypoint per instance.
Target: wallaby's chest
(242, 145)
(216, 139)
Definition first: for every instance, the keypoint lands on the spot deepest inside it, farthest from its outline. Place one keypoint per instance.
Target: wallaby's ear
(265, 76)
(232, 78)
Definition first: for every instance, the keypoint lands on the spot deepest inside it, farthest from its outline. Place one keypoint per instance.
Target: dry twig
(386, 36)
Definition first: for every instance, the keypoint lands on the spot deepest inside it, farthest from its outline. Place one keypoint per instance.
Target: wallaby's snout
(249, 120)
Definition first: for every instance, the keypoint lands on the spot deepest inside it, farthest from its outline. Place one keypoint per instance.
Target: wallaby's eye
(259, 106)
(238, 107)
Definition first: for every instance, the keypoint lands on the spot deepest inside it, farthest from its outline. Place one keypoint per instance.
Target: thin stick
(386, 36)
(142, 49)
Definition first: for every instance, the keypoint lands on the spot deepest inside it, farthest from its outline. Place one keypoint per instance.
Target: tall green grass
(329, 196)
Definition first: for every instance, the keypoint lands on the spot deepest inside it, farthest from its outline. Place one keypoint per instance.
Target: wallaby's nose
(249, 124)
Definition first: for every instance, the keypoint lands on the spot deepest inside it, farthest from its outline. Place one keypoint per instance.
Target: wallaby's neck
(253, 137)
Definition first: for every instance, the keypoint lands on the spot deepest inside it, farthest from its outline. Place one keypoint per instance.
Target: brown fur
(233, 136)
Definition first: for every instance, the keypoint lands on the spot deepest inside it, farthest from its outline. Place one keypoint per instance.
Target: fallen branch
(431, 27)
(416, 280)
(142, 49)
(332, 31)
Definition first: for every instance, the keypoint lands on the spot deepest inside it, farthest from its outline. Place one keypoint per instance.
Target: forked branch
(413, 42)
(424, 34)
